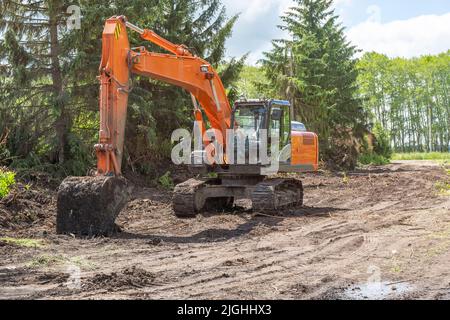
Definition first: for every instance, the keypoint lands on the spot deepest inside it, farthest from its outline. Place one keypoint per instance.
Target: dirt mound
(26, 207)
(128, 278)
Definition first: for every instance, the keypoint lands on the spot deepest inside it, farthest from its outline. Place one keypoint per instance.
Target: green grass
(82, 263)
(27, 243)
(443, 188)
(374, 159)
(7, 180)
(166, 181)
(440, 156)
(45, 261)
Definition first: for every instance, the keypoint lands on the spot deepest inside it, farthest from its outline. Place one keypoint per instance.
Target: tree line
(410, 98)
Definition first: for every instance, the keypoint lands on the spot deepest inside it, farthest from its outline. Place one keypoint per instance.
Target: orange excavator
(90, 205)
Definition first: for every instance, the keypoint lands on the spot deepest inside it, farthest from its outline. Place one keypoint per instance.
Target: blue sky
(405, 28)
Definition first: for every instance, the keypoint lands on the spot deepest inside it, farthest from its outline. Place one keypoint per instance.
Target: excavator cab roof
(262, 101)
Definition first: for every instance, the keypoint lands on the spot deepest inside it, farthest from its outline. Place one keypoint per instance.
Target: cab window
(280, 124)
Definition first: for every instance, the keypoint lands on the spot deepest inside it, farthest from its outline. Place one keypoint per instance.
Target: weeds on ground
(396, 266)
(443, 187)
(442, 246)
(373, 159)
(166, 181)
(345, 178)
(44, 261)
(81, 262)
(26, 243)
(7, 180)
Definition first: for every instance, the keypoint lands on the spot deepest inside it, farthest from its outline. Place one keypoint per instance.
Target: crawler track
(271, 196)
(187, 199)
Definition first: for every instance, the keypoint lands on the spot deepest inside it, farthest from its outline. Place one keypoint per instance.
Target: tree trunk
(62, 121)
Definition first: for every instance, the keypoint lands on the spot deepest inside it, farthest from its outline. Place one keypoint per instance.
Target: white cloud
(257, 25)
(252, 10)
(428, 34)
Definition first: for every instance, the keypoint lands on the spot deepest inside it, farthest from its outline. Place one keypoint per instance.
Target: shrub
(381, 151)
(166, 181)
(382, 145)
(373, 158)
(7, 179)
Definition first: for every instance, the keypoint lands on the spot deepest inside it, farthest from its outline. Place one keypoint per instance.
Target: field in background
(441, 156)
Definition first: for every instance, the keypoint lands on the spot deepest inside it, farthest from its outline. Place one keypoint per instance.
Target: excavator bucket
(89, 206)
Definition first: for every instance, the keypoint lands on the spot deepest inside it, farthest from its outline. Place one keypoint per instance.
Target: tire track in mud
(270, 266)
(275, 266)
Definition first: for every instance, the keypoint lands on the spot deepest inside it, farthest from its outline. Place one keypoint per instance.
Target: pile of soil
(127, 278)
(26, 207)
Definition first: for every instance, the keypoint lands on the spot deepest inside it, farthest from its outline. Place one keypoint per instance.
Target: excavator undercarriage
(268, 196)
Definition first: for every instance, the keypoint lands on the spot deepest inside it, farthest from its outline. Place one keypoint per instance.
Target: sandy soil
(379, 233)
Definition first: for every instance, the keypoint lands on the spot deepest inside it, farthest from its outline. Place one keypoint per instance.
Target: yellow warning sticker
(117, 31)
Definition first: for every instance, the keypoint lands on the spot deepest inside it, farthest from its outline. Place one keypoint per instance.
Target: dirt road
(379, 233)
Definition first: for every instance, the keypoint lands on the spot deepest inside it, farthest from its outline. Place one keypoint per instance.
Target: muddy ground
(377, 233)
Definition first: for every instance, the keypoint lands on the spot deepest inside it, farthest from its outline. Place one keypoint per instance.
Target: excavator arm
(179, 67)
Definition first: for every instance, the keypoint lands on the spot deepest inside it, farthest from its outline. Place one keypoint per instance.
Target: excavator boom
(179, 68)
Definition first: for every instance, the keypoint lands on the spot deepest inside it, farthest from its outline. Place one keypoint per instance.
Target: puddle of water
(377, 291)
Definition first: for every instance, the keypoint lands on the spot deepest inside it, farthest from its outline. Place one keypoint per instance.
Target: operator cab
(274, 116)
(298, 148)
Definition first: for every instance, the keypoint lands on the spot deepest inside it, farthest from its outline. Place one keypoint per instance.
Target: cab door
(280, 125)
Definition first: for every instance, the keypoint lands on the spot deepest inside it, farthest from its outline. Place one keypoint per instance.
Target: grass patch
(441, 156)
(7, 180)
(166, 181)
(443, 246)
(26, 243)
(82, 263)
(373, 159)
(45, 261)
(443, 188)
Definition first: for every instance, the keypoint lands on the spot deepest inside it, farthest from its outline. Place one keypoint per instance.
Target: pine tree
(315, 70)
(48, 77)
(159, 108)
(35, 89)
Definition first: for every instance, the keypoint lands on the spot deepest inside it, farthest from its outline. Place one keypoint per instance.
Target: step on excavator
(90, 205)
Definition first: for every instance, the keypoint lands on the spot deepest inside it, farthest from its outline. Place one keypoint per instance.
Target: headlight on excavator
(204, 68)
